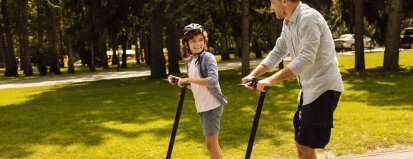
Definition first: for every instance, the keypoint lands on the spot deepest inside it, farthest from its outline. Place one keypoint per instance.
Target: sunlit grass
(133, 118)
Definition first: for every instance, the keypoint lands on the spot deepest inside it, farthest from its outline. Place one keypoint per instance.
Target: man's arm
(278, 77)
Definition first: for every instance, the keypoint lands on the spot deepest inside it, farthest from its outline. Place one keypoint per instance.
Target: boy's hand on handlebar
(173, 80)
(182, 81)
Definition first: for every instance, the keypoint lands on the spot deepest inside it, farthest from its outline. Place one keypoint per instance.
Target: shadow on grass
(79, 114)
(378, 88)
(85, 113)
(238, 115)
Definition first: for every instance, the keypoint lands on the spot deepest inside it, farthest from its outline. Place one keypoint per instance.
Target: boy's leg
(210, 121)
(213, 147)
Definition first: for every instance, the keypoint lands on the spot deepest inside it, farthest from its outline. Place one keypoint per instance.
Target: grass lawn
(133, 118)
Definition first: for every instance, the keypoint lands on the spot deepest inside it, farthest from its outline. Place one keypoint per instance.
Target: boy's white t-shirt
(204, 100)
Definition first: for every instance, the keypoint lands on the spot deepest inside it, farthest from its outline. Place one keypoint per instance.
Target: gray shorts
(210, 121)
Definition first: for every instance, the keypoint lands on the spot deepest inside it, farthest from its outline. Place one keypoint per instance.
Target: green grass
(133, 118)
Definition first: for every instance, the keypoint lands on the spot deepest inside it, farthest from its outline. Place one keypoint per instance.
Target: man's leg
(305, 152)
(313, 123)
(213, 147)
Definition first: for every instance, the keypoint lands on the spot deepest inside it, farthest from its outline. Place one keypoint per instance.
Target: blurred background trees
(42, 34)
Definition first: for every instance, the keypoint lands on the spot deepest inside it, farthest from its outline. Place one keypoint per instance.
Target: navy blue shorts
(313, 122)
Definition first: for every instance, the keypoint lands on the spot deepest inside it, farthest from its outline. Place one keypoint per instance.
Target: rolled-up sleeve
(212, 70)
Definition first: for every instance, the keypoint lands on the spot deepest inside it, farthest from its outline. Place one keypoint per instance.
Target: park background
(133, 117)
(47, 35)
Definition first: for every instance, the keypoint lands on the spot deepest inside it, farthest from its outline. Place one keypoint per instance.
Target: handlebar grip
(253, 83)
(174, 79)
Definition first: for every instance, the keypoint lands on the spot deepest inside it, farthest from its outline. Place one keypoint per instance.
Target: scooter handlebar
(253, 84)
(174, 80)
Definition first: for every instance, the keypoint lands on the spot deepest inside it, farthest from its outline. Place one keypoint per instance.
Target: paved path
(408, 154)
(95, 77)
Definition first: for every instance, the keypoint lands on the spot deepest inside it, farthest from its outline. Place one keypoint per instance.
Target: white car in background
(347, 41)
(406, 38)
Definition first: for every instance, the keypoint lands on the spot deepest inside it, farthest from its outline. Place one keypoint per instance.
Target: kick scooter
(174, 79)
(253, 83)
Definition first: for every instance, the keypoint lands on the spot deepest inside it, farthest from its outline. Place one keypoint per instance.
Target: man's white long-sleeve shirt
(308, 40)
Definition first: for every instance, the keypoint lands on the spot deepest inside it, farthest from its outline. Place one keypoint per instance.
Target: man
(308, 40)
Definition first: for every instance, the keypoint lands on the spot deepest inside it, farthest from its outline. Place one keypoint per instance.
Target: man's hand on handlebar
(263, 85)
(246, 81)
(250, 82)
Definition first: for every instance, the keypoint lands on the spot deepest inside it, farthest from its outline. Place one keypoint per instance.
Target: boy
(202, 78)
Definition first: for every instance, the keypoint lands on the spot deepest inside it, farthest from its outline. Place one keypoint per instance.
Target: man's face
(278, 8)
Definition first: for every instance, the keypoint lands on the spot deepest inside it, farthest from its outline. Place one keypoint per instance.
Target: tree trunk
(114, 46)
(142, 41)
(124, 38)
(3, 48)
(52, 38)
(158, 68)
(245, 47)
(26, 63)
(238, 46)
(148, 50)
(68, 43)
(61, 50)
(137, 49)
(359, 36)
(103, 52)
(91, 64)
(173, 47)
(224, 48)
(1, 54)
(9, 55)
(40, 29)
(258, 46)
(391, 54)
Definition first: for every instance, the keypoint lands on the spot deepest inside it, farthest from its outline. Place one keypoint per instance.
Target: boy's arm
(198, 81)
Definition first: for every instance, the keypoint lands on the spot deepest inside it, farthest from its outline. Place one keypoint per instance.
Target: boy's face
(196, 44)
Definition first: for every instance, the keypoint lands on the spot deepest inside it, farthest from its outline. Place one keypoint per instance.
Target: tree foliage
(91, 27)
